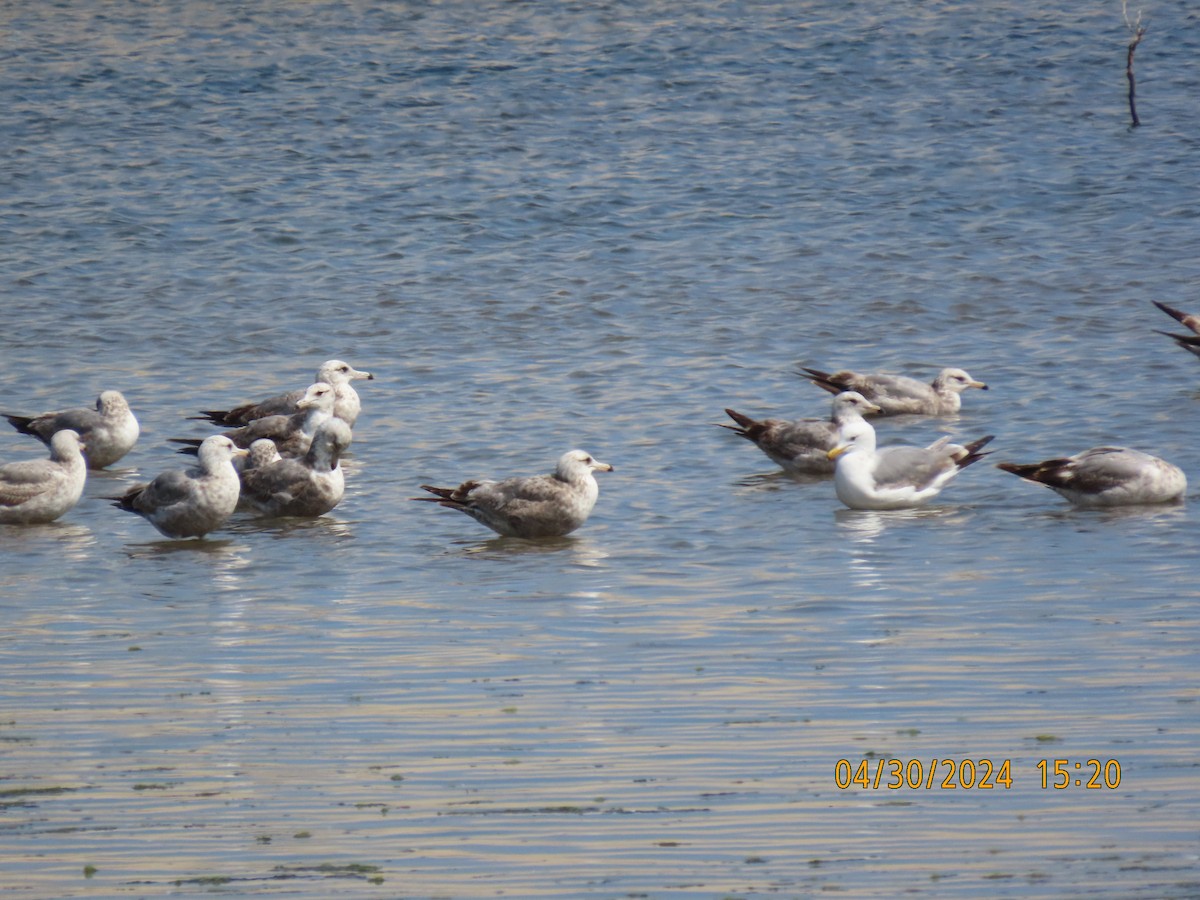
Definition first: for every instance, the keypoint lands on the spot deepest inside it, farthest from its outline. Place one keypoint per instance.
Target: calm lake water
(547, 225)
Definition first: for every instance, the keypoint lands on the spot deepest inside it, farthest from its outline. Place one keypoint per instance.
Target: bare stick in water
(1136, 31)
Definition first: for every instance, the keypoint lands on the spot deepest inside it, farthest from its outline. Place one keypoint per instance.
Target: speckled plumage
(311, 486)
(1107, 476)
(347, 405)
(900, 395)
(109, 431)
(535, 507)
(801, 446)
(193, 502)
(36, 491)
(291, 434)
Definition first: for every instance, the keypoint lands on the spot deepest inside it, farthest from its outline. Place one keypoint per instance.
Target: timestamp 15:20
(1060, 774)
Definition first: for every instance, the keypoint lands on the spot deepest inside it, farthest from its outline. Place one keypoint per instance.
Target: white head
(318, 396)
(66, 444)
(854, 436)
(847, 403)
(957, 380)
(576, 462)
(216, 450)
(334, 371)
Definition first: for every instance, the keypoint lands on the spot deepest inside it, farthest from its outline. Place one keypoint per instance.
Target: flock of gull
(281, 457)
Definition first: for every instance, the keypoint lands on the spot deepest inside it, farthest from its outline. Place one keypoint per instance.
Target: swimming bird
(535, 507)
(36, 491)
(898, 394)
(347, 405)
(896, 477)
(291, 434)
(109, 431)
(192, 502)
(311, 486)
(802, 446)
(1188, 342)
(1106, 476)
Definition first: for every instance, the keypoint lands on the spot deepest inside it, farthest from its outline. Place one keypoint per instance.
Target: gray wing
(43, 427)
(1100, 469)
(279, 405)
(791, 439)
(286, 476)
(535, 504)
(22, 481)
(916, 466)
(169, 488)
(895, 389)
(275, 428)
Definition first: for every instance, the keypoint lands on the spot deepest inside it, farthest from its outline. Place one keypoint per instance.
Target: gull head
(110, 403)
(66, 443)
(576, 462)
(218, 449)
(957, 380)
(334, 371)
(853, 401)
(857, 435)
(318, 396)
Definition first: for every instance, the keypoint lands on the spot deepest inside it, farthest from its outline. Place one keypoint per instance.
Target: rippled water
(549, 225)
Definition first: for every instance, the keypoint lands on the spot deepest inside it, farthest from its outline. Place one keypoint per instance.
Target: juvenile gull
(291, 434)
(311, 486)
(346, 407)
(40, 490)
(1107, 476)
(535, 507)
(896, 477)
(898, 394)
(802, 446)
(109, 431)
(1189, 342)
(190, 503)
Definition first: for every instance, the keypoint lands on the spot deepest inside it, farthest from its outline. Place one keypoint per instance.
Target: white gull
(897, 477)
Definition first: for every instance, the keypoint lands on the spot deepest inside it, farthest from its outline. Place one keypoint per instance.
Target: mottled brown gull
(347, 405)
(898, 394)
(191, 503)
(311, 486)
(801, 446)
(109, 431)
(291, 434)
(36, 491)
(897, 477)
(1107, 476)
(534, 507)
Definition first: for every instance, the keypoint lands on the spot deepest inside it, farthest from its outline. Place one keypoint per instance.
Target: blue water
(548, 225)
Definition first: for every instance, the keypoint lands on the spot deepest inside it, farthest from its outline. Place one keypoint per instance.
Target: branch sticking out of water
(1136, 32)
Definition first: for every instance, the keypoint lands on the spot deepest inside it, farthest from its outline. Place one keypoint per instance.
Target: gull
(291, 434)
(897, 477)
(335, 372)
(1107, 476)
(1188, 342)
(190, 503)
(311, 486)
(109, 431)
(535, 507)
(802, 446)
(36, 491)
(899, 394)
